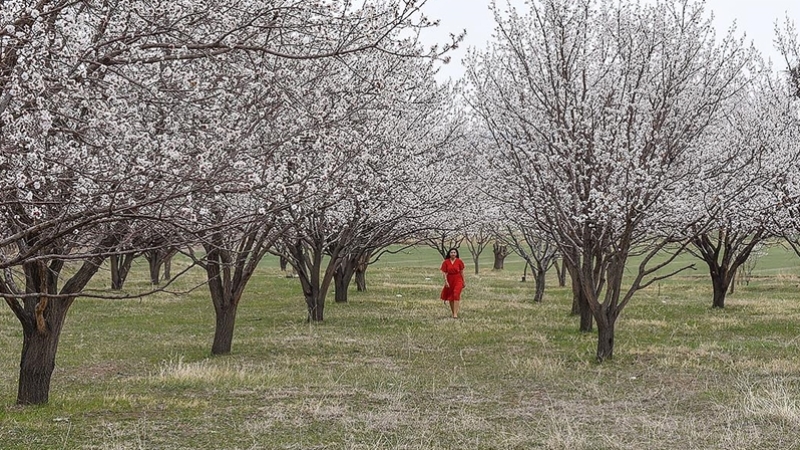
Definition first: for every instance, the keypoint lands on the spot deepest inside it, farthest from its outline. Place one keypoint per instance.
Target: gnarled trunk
(39, 347)
(313, 281)
(500, 252)
(42, 317)
(724, 252)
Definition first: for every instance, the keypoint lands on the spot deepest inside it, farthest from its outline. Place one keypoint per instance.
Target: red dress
(455, 279)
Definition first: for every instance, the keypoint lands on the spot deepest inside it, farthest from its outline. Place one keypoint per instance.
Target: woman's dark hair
(447, 256)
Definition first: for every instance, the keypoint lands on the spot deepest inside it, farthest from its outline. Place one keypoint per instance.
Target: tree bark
(500, 253)
(605, 335)
(361, 271)
(580, 304)
(120, 267)
(539, 276)
(720, 289)
(42, 318)
(154, 265)
(314, 283)
(168, 264)
(561, 274)
(38, 359)
(224, 326)
(341, 280)
(361, 279)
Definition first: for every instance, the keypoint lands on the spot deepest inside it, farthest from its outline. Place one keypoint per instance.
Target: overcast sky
(755, 18)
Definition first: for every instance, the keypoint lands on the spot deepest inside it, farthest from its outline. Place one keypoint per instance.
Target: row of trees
(225, 130)
(609, 130)
(588, 131)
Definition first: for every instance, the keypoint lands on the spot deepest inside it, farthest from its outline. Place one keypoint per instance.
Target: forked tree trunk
(225, 289)
(39, 355)
(724, 253)
(500, 253)
(316, 307)
(120, 267)
(313, 282)
(315, 298)
(42, 320)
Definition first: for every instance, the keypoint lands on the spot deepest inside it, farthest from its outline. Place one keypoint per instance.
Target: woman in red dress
(453, 270)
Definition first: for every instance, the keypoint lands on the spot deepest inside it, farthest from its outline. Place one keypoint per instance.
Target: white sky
(754, 18)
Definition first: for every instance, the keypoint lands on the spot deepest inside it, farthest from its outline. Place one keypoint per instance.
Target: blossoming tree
(595, 108)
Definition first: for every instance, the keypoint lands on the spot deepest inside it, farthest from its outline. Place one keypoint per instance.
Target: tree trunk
(120, 267)
(316, 307)
(39, 356)
(282, 261)
(361, 279)
(720, 290)
(475, 262)
(539, 288)
(42, 317)
(341, 281)
(585, 313)
(168, 265)
(223, 330)
(605, 335)
(561, 274)
(361, 271)
(500, 253)
(154, 264)
(580, 304)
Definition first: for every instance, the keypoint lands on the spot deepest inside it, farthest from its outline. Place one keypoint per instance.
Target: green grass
(390, 370)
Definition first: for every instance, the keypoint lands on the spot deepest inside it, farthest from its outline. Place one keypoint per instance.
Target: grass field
(391, 370)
